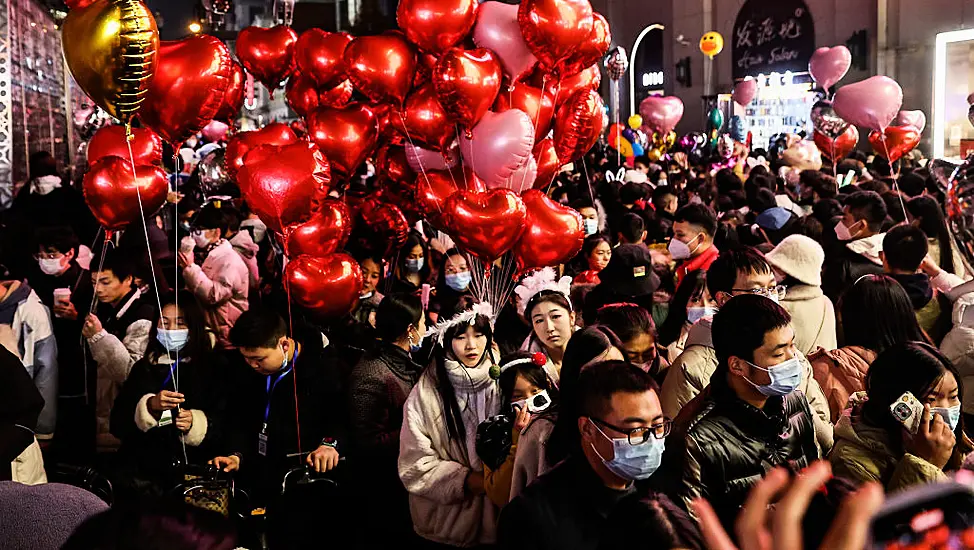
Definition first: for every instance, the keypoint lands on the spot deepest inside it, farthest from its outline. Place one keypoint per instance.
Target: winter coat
(958, 346)
(812, 317)
(960, 265)
(20, 405)
(841, 373)
(115, 350)
(864, 452)
(221, 285)
(721, 446)
(67, 332)
(531, 459)
(434, 469)
(845, 262)
(244, 245)
(30, 320)
(43, 517)
(691, 372)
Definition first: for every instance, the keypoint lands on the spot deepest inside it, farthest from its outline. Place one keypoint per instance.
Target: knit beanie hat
(800, 257)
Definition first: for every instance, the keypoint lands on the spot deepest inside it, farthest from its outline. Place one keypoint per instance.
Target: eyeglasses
(48, 256)
(773, 292)
(640, 435)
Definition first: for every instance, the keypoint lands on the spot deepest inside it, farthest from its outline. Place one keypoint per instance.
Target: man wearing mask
(222, 283)
(693, 239)
(737, 272)
(591, 220)
(622, 435)
(859, 241)
(749, 420)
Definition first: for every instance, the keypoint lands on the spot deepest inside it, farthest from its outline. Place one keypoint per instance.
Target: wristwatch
(330, 442)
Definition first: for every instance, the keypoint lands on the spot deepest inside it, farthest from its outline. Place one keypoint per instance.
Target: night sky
(178, 14)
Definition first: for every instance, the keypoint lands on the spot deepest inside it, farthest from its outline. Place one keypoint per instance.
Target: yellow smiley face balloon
(711, 44)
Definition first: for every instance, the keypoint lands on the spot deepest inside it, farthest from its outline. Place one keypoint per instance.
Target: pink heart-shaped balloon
(497, 30)
(872, 103)
(501, 145)
(911, 118)
(829, 65)
(661, 114)
(423, 160)
(745, 91)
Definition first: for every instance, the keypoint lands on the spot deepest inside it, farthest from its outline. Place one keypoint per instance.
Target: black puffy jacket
(721, 446)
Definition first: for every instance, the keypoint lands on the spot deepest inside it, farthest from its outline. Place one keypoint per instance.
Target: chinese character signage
(772, 36)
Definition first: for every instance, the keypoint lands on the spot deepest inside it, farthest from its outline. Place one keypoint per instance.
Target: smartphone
(936, 515)
(907, 410)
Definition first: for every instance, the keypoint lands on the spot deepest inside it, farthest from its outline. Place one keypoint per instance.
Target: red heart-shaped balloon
(436, 25)
(329, 287)
(553, 235)
(548, 163)
(301, 94)
(326, 232)
(319, 55)
(841, 147)
(337, 97)
(578, 125)
(347, 136)
(268, 54)
(78, 4)
(393, 166)
(233, 98)
(486, 224)
(540, 107)
(384, 223)
(280, 184)
(110, 141)
(112, 191)
(896, 142)
(424, 121)
(381, 67)
(591, 50)
(589, 79)
(467, 83)
(189, 87)
(554, 29)
(275, 133)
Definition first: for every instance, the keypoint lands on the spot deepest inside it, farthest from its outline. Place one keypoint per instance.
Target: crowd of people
(719, 333)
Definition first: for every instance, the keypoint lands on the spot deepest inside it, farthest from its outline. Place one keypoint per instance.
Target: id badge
(262, 441)
(165, 418)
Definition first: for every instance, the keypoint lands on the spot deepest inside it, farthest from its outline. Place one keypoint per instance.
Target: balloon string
(835, 174)
(537, 120)
(94, 297)
(294, 365)
(419, 159)
(473, 166)
(896, 186)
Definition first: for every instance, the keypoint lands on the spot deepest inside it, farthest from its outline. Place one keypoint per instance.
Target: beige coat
(812, 317)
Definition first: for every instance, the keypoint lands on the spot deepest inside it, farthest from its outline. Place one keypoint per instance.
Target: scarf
(44, 184)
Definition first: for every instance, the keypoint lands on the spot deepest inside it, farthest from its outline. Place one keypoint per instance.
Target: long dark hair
(585, 345)
(669, 331)
(580, 263)
(876, 314)
(448, 394)
(931, 220)
(199, 343)
(395, 314)
(915, 367)
(412, 241)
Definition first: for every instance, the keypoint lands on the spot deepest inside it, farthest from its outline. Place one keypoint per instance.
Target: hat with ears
(800, 257)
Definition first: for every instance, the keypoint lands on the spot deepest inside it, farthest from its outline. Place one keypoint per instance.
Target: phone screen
(944, 522)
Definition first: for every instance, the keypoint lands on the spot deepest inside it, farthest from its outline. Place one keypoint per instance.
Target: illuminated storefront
(953, 134)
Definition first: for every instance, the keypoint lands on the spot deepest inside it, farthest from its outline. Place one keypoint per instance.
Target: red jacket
(702, 261)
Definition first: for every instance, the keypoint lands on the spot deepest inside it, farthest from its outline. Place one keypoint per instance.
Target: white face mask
(842, 232)
(50, 266)
(200, 238)
(680, 250)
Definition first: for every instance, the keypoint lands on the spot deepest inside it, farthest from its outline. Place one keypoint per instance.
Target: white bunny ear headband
(759, 161)
(543, 279)
(617, 176)
(468, 317)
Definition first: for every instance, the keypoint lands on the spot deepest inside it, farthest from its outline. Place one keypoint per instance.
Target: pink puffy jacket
(221, 285)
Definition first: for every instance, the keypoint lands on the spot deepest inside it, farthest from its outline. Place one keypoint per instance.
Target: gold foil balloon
(111, 48)
(664, 142)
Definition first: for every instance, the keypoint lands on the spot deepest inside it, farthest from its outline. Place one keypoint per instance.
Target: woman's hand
(522, 420)
(933, 442)
(91, 327)
(184, 421)
(227, 463)
(164, 401)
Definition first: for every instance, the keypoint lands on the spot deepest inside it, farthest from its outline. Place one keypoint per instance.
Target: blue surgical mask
(952, 415)
(785, 377)
(591, 226)
(458, 281)
(694, 314)
(414, 266)
(173, 340)
(633, 462)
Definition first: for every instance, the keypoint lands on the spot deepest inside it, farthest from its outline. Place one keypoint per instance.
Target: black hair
(533, 373)
(631, 192)
(190, 310)
(699, 215)
(631, 228)
(395, 314)
(876, 313)
(826, 210)
(635, 520)
(585, 346)
(664, 191)
(912, 184)
(598, 384)
(895, 201)
(928, 215)
(552, 296)
(626, 320)
(258, 328)
(40, 164)
(905, 247)
(723, 273)
(727, 181)
(580, 262)
(821, 184)
(119, 263)
(876, 185)
(868, 206)
(693, 284)
(212, 217)
(763, 199)
(441, 276)
(59, 237)
(414, 239)
(741, 324)
(915, 367)
(642, 159)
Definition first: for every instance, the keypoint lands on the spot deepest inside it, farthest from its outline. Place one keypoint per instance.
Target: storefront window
(953, 81)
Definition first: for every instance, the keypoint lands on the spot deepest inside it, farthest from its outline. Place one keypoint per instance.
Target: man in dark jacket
(20, 405)
(904, 248)
(623, 433)
(859, 240)
(750, 419)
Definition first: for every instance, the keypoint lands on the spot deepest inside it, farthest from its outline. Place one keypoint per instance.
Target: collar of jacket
(770, 420)
(589, 488)
(868, 247)
(399, 362)
(800, 293)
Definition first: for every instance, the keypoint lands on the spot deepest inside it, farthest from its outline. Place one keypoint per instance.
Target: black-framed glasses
(640, 435)
(778, 291)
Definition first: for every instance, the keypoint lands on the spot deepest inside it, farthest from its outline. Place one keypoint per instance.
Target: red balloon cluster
(113, 191)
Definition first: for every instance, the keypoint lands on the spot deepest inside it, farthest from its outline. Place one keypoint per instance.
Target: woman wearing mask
(438, 462)
(370, 297)
(412, 268)
(872, 445)
(378, 388)
(453, 282)
(875, 313)
(635, 329)
(689, 304)
(548, 309)
(929, 217)
(797, 263)
(595, 255)
(172, 404)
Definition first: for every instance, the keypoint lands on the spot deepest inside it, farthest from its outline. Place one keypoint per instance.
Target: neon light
(632, 73)
(940, 86)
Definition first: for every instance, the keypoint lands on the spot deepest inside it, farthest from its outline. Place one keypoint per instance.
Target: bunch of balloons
(660, 115)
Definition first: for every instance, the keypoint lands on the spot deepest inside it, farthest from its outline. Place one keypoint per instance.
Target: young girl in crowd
(797, 263)
(595, 255)
(452, 283)
(689, 304)
(171, 403)
(412, 268)
(635, 329)
(438, 462)
(548, 309)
